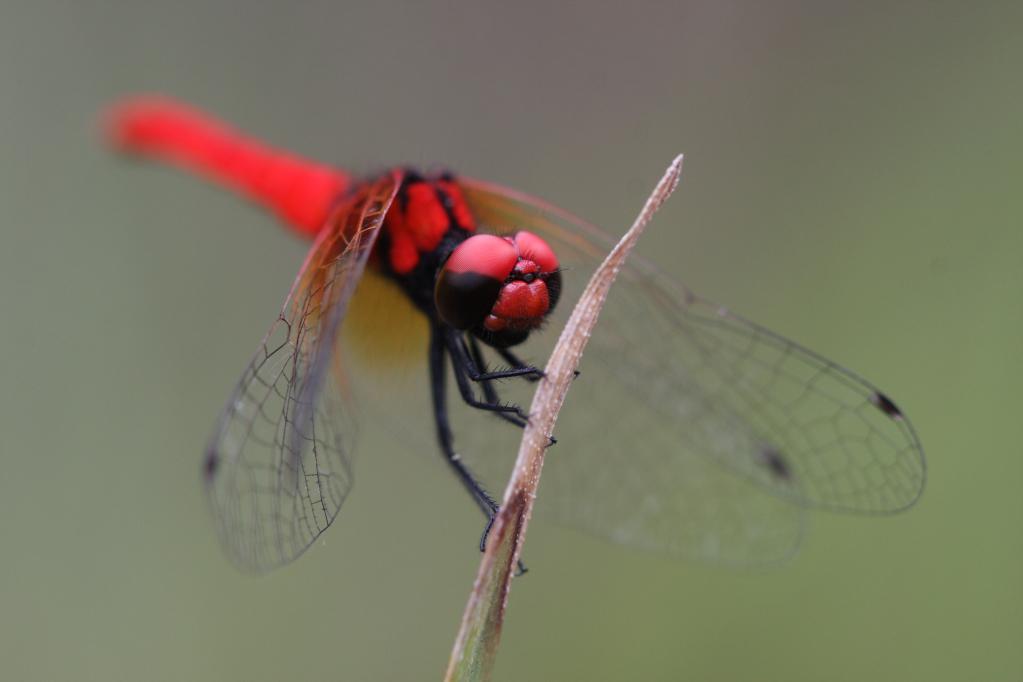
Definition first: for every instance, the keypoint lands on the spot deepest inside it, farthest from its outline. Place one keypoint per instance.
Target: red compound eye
(470, 281)
(533, 248)
(502, 287)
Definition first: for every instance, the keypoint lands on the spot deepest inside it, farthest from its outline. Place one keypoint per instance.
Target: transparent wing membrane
(277, 469)
(692, 430)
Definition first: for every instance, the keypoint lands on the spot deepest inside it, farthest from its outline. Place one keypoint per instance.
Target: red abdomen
(300, 191)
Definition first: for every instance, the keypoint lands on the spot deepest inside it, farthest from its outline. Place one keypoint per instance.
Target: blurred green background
(852, 180)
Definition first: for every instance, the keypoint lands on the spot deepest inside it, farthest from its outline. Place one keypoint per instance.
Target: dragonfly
(691, 430)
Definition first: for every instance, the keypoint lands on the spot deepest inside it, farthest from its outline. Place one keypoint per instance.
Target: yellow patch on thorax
(383, 330)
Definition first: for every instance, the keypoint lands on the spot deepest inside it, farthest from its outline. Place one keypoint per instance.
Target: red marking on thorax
(458, 205)
(417, 222)
(300, 191)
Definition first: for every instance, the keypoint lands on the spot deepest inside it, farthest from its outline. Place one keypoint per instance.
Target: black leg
(488, 388)
(516, 363)
(480, 496)
(460, 352)
(489, 392)
(444, 437)
(466, 372)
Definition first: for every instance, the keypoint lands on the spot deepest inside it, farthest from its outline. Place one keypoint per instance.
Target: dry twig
(476, 645)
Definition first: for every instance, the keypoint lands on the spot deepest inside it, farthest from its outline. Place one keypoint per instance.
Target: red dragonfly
(697, 433)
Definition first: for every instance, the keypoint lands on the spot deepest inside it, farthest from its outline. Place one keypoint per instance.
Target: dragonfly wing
(779, 414)
(621, 472)
(695, 418)
(277, 468)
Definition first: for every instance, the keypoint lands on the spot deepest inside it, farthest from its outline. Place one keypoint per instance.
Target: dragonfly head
(498, 287)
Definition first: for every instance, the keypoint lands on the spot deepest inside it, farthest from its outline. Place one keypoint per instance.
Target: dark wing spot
(776, 462)
(210, 464)
(885, 404)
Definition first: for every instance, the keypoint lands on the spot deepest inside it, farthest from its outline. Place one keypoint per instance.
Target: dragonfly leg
(476, 371)
(480, 496)
(515, 362)
(466, 371)
(488, 388)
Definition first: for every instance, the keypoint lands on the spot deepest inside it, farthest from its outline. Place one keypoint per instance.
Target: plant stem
(475, 650)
